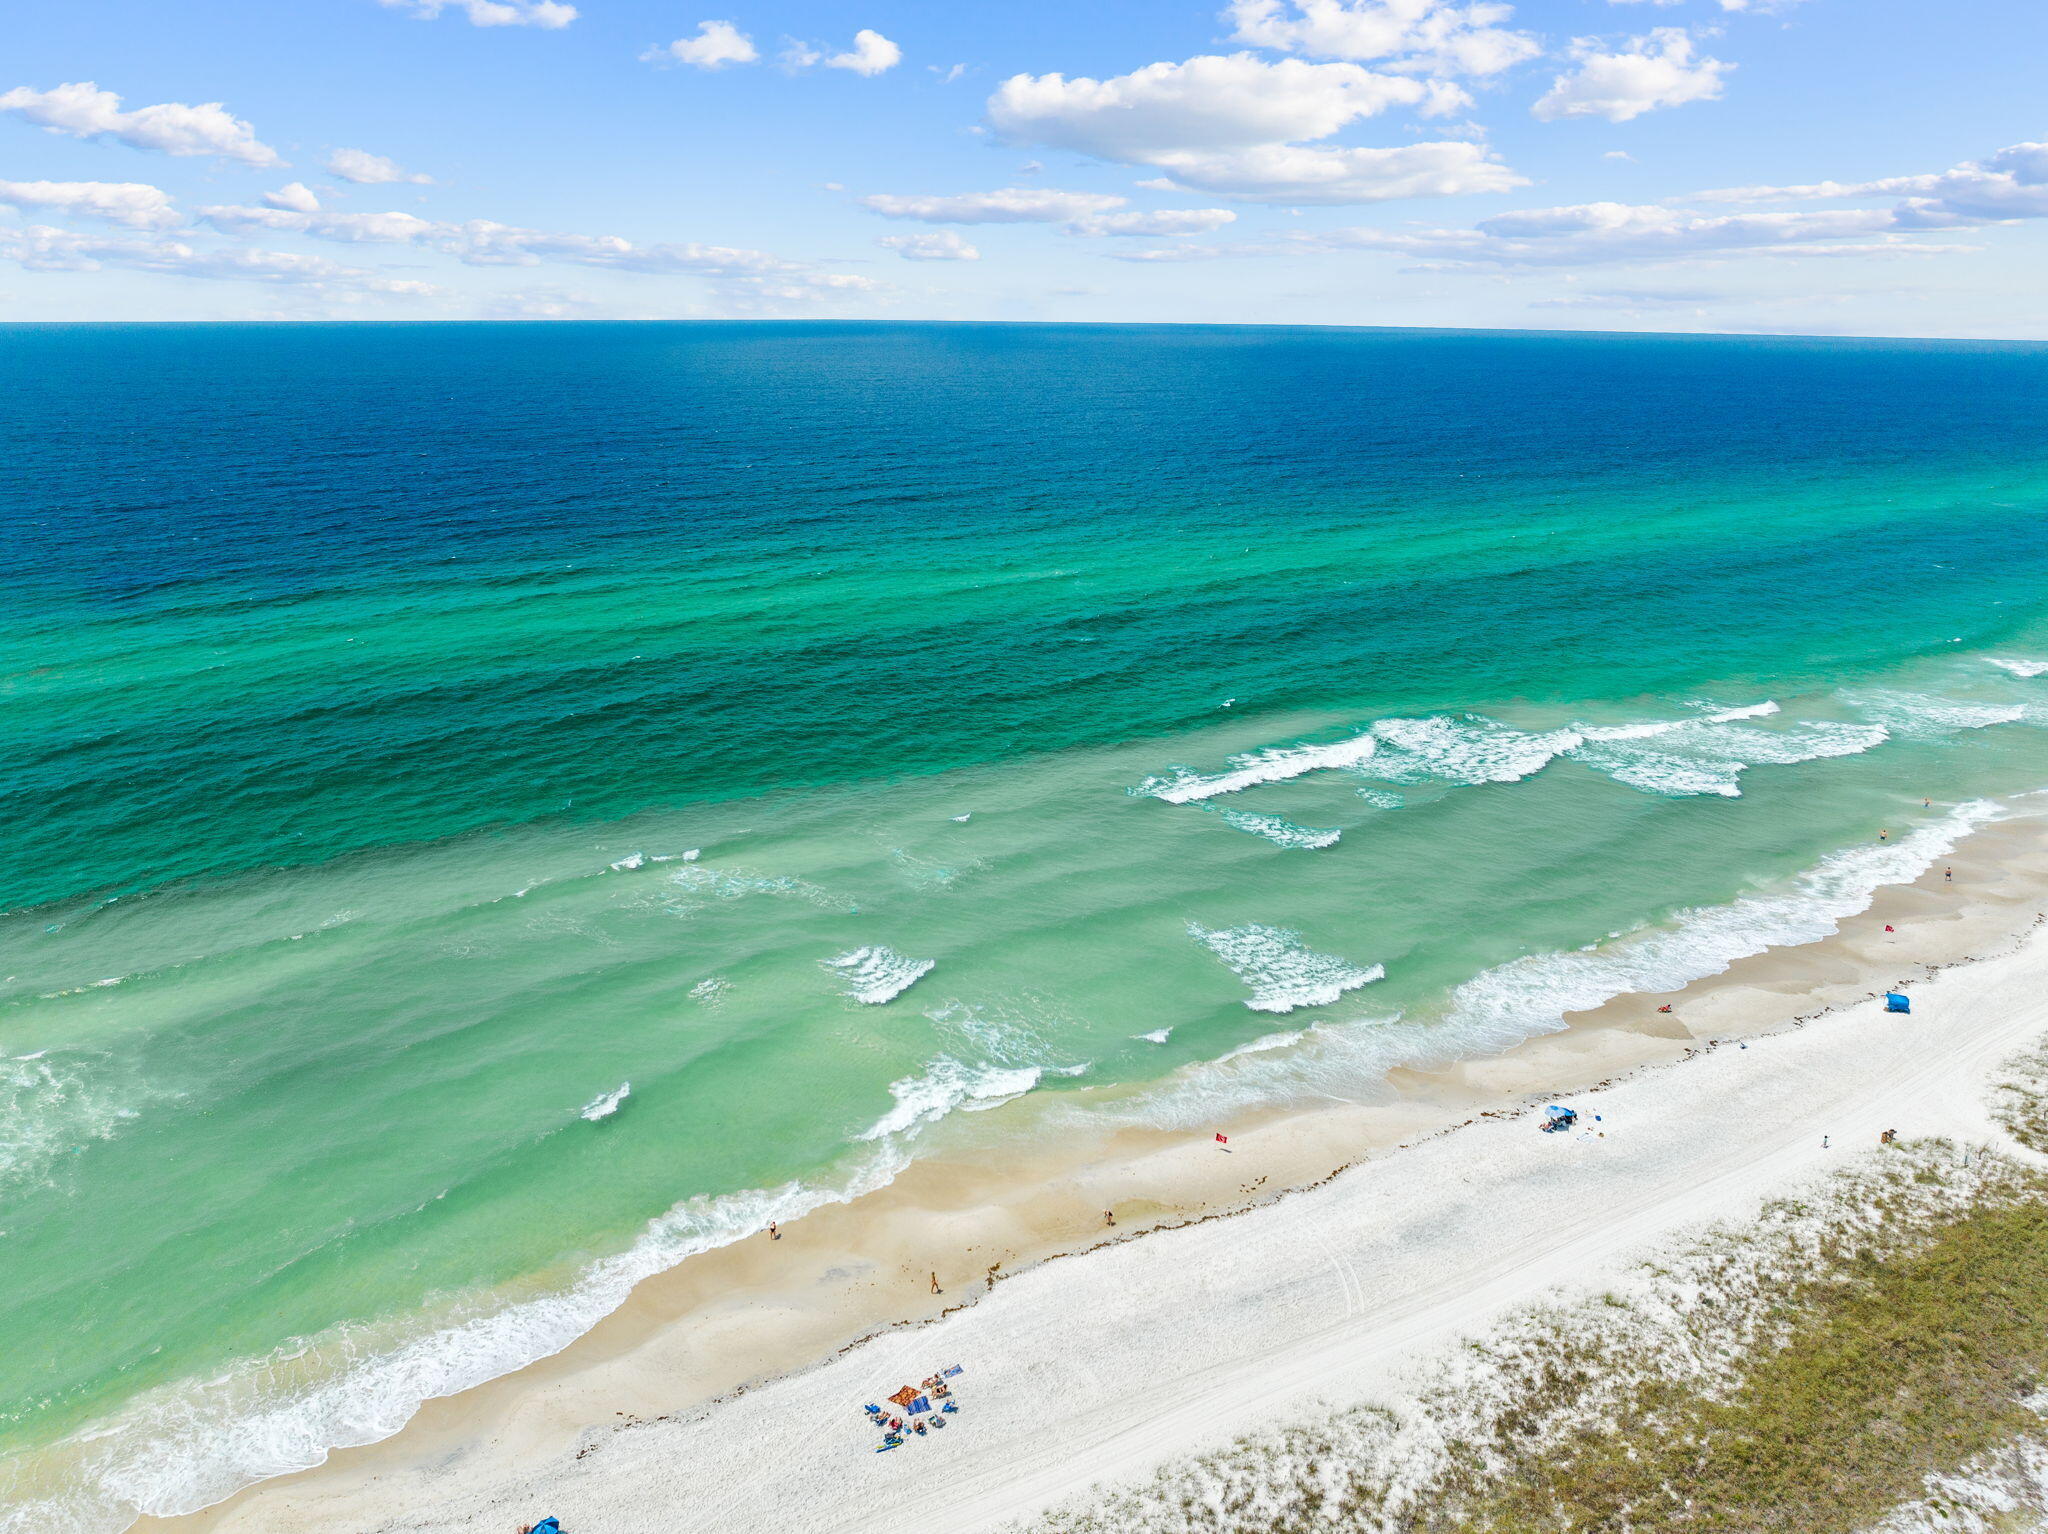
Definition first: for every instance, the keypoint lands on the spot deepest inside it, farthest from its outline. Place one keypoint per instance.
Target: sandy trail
(1102, 1366)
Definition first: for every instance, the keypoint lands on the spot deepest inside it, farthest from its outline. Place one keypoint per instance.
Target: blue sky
(1817, 166)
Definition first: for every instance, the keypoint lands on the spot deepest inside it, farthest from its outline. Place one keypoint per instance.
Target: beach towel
(952, 1371)
(903, 1397)
(546, 1526)
(920, 1405)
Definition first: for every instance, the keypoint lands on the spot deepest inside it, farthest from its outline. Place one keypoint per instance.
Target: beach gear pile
(920, 1410)
(1557, 1120)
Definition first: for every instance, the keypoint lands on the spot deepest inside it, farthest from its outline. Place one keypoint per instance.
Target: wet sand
(694, 1344)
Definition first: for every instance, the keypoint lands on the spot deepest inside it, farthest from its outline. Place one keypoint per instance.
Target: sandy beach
(1308, 1263)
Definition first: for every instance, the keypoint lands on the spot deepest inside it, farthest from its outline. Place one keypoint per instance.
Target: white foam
(876, 974)
(1464, 748)
(1511, 1002)
(50, 1106)
(2018, 665)
(1274, 764)
(1282, 972)
(736, 884)
(1664, 726)
(1451, 748)
(179, 1448)
(1156, 1036)
(1347, 1059)
(1383, 798)
(947, 1084)
(1282, 833)
(1708, 755)
(963, 817)
(1919, 715)
(710, 990)
(1260, 1045)
(629, 862)
(606, 1104)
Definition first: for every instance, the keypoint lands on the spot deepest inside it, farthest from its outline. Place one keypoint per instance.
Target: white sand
(1099, 1367)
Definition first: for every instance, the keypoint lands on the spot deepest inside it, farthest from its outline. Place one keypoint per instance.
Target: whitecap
(178, 1448)
(1510, 1002)
(1260, 1045)
(947, 1084)
(876, 974)
(629, 862)
(1281, 833)
(1281, 970)
(51, 1105)
(1156, 1036)
(1918, 715)
(2018, 665)
(1466, 748)
(1274, 764)
(605, 1104)
(1709, 756)
(710, 990)
(1501, 1007)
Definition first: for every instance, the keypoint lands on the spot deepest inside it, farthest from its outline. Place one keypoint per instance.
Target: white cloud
(1655, 70)
(548, 14)
(541, 304)
(1161, 221)
(870, 54)
(118, 202)
(1011, 205)
(716, 44)
(294, 196)
(44, 249)
(1293, 173)
(1084, 213)
(1432, 35)
(1609, 233)
(943, 245)
(1617, 154)
(82, 110)
(345, 228)
(2011, 184)
(1231, 125)
(745, 280)
(366, 169)
(1212, 102)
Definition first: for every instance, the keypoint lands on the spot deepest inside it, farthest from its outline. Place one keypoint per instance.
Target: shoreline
(756, 1315)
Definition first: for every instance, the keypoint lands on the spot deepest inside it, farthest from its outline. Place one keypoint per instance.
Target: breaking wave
(1281, 833)
(945, 1085)
(876, 974)
(605, 1104)
(1281, 970)
(1347, 1059)
(180, 1448)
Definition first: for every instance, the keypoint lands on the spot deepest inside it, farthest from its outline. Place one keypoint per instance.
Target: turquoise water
(443, 764)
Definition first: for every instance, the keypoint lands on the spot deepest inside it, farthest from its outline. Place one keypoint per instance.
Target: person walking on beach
(935, 1285)
(773, 1233)
(1109, 1218)
(1884, 835)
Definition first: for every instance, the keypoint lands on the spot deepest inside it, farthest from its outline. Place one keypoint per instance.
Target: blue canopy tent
(1894, 1002)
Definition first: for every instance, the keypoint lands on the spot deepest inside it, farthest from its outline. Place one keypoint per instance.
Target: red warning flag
(1223, 1139)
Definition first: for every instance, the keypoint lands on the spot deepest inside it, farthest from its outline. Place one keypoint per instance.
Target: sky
(1825, 167)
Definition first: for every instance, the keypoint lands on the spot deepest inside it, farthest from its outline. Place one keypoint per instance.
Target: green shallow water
(442, 728)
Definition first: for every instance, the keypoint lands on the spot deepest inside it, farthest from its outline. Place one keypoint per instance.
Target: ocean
(489, 810)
